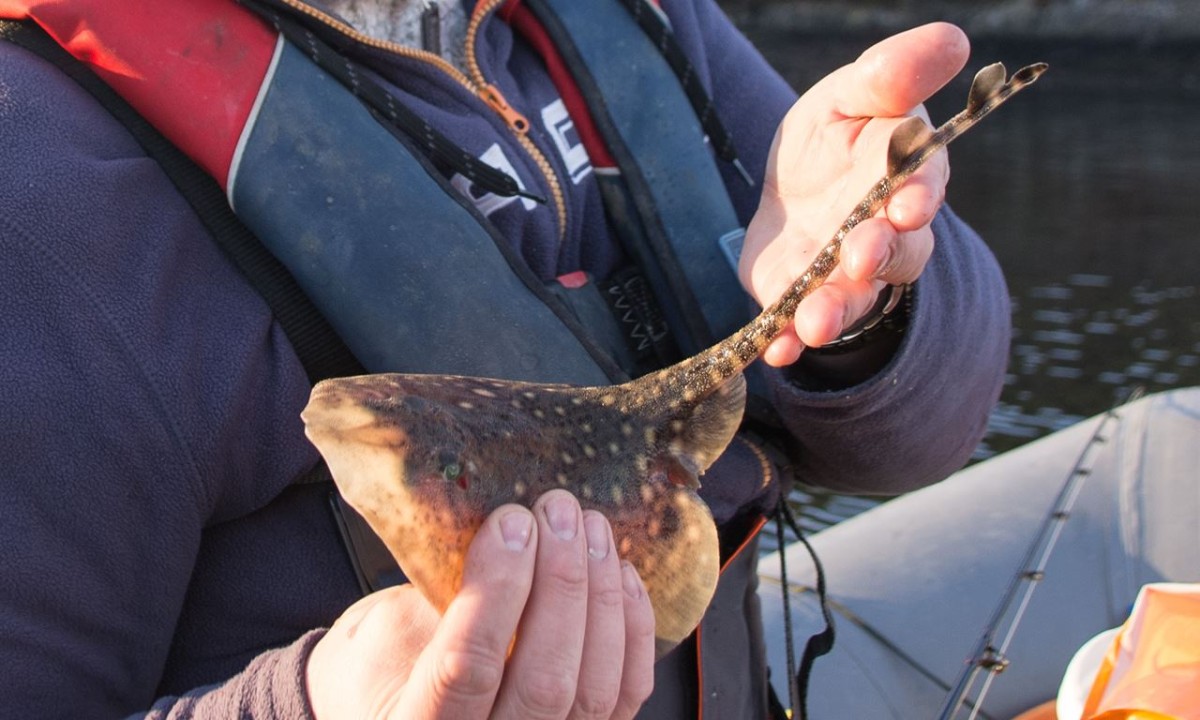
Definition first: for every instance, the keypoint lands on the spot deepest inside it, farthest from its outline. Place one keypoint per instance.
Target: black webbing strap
(319, 348)
(653, 22)
(395, 117)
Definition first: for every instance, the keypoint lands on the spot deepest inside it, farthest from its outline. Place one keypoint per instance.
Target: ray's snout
(347, 406)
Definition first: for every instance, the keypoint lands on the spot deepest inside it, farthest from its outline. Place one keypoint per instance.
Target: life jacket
(286, 139)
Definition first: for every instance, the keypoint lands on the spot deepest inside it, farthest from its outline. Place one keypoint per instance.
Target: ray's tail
(911, 144)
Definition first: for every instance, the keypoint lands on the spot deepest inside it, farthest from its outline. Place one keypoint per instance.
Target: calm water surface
(1087, 189)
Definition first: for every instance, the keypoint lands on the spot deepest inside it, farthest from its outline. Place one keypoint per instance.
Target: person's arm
(148, 397)
(271, 687)
(920, 408)
(585, 647)
(132, 357)
(918, 419)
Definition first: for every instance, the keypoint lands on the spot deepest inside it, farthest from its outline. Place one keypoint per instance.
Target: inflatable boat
(915, 584)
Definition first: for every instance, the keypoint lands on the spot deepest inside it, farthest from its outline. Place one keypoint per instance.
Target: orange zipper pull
(491, 95)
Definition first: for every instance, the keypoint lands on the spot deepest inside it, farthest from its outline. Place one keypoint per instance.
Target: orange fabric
(193, 69)
(1152, 669)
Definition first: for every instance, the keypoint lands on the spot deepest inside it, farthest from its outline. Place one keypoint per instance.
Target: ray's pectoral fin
(675, 548)
(673, 543)
(705, 433)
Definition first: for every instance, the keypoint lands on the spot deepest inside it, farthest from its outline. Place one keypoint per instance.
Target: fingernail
(847, 320)
(596, 529)
(515, 528)
(563, 516)
(884, 264)
(630, 580)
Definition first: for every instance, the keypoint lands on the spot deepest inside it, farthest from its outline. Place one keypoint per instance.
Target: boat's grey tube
(927, 570)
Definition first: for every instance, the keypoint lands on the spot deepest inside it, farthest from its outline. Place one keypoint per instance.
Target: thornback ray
(425, 458)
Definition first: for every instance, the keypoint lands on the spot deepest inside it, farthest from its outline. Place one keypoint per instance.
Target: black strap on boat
(321, 351)
(818, 644)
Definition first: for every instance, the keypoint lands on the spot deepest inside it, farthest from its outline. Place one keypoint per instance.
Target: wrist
(862, 350)
(888, 314)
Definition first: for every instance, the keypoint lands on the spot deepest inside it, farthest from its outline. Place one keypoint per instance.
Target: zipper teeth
(475, 82)
(481, 13)
(396, 48)
(556, 191)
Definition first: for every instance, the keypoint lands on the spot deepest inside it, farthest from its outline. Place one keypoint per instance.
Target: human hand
(585, 647)
(829, 150)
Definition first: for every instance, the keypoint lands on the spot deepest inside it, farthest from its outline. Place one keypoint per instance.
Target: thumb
(459, 673)
(368, 653)
(895, 75)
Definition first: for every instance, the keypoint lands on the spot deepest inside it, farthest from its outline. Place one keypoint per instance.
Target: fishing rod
(989, 656)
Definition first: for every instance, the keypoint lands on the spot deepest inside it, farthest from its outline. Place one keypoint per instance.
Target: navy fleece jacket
(156, 556)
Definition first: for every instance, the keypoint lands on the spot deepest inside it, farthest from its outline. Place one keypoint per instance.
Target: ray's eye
(453, 470)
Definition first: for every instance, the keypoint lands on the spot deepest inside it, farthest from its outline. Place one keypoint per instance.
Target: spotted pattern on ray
(425, 458)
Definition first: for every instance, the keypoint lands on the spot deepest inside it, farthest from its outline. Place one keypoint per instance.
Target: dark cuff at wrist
(863, 350)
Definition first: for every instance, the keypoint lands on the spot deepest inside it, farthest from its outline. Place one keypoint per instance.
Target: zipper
(475, 82)
(517, 122)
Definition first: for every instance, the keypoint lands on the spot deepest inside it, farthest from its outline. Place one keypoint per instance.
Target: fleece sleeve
(271, 687)
(143, 384)
(920, 417)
